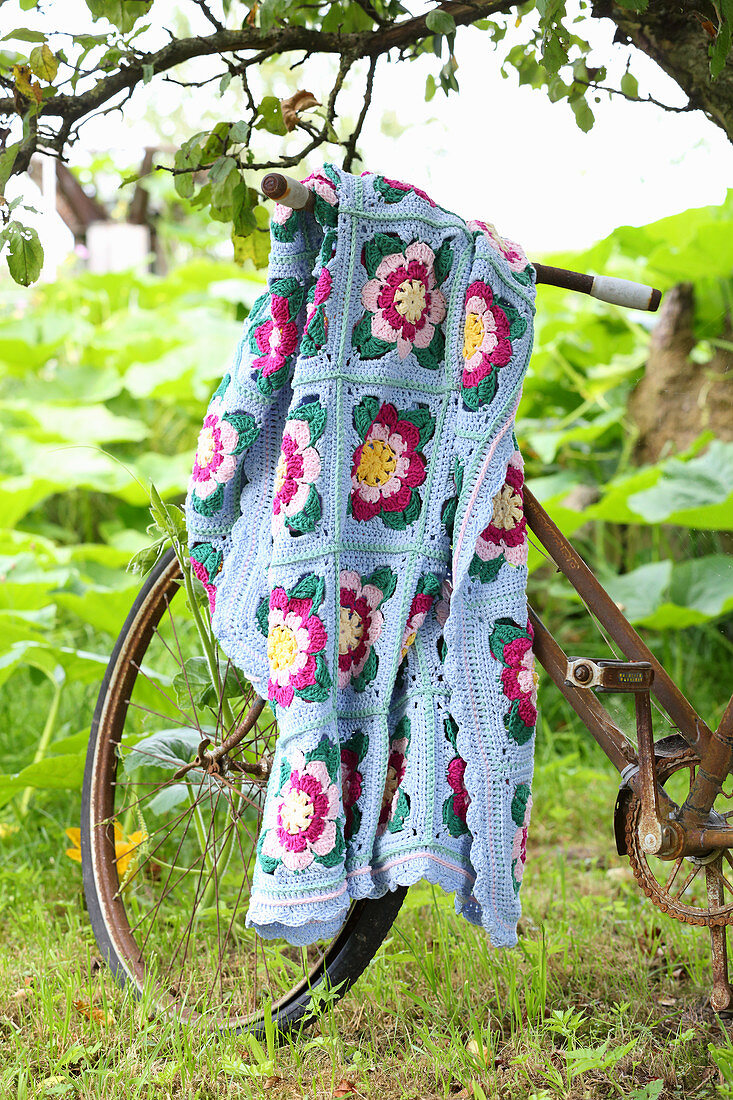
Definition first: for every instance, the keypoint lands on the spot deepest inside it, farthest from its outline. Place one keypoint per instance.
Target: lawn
(601, 998)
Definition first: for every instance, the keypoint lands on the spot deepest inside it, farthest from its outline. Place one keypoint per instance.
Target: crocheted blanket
(356, 514)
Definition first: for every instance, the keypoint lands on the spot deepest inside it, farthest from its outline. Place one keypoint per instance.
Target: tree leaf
(124, 14)
(43, 63)
(25, 254)
(440, 22)
(271, 116)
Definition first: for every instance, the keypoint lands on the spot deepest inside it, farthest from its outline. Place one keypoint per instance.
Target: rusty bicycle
(181, 749)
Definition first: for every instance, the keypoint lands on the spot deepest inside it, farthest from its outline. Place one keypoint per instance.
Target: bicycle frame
(706, 743)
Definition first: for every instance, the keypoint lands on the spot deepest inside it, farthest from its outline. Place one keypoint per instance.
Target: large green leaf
(670, 596)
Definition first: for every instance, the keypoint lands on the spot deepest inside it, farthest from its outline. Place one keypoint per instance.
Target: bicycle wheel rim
(339, 962)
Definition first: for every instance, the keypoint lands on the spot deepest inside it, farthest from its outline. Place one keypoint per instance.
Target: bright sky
(496, 151)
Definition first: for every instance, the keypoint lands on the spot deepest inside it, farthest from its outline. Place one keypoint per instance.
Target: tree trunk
(677, 398)
(674, 34)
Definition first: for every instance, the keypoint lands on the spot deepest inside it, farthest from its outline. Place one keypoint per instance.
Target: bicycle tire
(120, 873)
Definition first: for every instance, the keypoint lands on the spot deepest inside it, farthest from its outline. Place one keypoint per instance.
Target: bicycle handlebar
(619, 292)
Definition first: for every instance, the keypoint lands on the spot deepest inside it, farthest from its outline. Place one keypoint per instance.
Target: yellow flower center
(282, 648)
(377, 463)
(408, 642)
(507, 511)
(206, 447)
(391, 784)
(296, 812)
(473, 335)
(351, 628)
(409, 300)
(281, 472)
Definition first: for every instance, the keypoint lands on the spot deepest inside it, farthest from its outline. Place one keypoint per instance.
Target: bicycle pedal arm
(609, 675)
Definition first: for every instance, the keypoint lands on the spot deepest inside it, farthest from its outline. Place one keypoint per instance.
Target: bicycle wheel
(172, 799)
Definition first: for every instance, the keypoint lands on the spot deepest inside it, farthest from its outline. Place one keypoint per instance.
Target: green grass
(595, 1002)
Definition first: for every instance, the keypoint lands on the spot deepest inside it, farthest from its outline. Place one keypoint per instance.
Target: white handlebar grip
(286, 191)
(621, 292)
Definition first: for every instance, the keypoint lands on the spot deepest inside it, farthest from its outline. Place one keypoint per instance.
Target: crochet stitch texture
(356, 514)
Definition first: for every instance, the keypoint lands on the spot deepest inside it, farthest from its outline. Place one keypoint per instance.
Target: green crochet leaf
(524, 277)
(315, 336)
(400, 521)
(448, 514)
(285, 232)
(318, 692)
(271, 383)
(385, 579)
(355, 822)
(211, 504)
(211, 559)
(259, 312)
(368, 346)
(328, 247)
(519, 803)
(365, 413)
(505, 631)
(315, 415)
(333, 858)
(368, 673)
(431, 357)
(389, 194)
(310, 587)
(381, 245)
(358, 743)
(330, 754)
(451, 730)
(477, 396)
(443, 261)
(402, 730)
(454, 824)
(222, 387)
(267, 863)
(291, 289)
(429, 585)
(246, 428)
(262, 615)
(517, 323)
(515, 726)
(285, 773)
(423, 421)
(308, 518)
(401, 813)
(485, 571)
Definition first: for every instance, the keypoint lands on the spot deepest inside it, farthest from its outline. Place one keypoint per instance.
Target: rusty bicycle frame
(664, 830)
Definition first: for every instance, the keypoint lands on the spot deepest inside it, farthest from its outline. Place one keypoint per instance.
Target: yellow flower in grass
(125, 848)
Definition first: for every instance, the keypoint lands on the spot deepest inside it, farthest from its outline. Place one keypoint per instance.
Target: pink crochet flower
(299, 466)
(486, 335)
(295, 637)
(396, 768)
(519, 846)
(323, 187)
(351, 786)
(361, 624)
(519, 680)
(404, 300)
(510, 250)
(276, 338)
(507, 532)
(302, 825)
(461, 799)
(201, 573)
(387, 188)
(386, 466)
(421, 604)
(215, 460)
